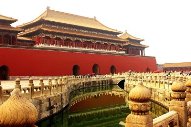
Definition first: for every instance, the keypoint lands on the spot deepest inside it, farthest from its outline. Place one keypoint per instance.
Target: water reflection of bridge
(51, 95)
(78, 95)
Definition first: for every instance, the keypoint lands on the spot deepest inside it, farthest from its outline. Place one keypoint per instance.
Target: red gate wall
(34, 62)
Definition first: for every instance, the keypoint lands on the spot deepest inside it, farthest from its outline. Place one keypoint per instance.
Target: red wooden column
(101, 46)
(72, 44)
(52, 41)
(88, 45)
(41, 39)
(36, 39)
(107, 47)
(91, 45)
(61, 42)
(98, 45)
(117, 48)
(95, 45)
(81, 44)
(64, 42)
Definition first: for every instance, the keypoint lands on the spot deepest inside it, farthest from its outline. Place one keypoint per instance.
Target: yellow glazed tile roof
(134, 44)
(137, 44)
(183, 64)
(2, 17)
(66, 18)
(128, 36)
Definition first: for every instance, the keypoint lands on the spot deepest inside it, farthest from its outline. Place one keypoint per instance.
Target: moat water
(98, 118)
(109, 116)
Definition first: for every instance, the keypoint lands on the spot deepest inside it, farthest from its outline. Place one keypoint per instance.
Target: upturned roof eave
(10, 28)
(7, 19)
(45, 17)
(127, 36)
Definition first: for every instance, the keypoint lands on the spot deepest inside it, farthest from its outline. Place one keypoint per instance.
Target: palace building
(183, 66)
(58, 43)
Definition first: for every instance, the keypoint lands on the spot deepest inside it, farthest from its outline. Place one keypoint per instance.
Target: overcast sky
(165, 25)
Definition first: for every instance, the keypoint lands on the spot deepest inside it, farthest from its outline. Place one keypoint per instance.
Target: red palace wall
(34, 62)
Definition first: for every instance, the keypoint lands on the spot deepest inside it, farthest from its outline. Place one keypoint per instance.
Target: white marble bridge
(50, 95)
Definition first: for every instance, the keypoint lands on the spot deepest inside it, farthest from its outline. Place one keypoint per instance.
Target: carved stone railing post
(60, 82)
(31, 87)
(178, 102)
(17, 83)
(139, 104)
(56, 83)
(188, 90)
(168, 82)
(50, 85)
(41, 86)
(155, 79)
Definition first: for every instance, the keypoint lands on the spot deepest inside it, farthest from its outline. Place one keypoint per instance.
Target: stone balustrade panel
(168, 119)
